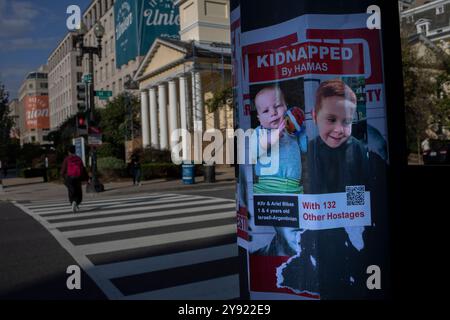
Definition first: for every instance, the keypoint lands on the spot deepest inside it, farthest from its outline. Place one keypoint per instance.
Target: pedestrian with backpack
(73, 172)
(136, 170)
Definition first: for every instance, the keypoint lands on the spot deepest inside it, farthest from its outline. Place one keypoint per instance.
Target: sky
(29, 31)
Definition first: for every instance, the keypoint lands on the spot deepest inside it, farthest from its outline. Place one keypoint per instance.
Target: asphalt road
(34, 263)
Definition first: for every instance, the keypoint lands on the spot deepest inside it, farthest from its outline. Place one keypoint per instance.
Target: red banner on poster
(306, 58)
(36, 112)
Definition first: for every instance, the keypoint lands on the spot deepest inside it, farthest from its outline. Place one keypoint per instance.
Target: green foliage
(222, 97)
(6, 122)
(106, 150)
(116, 122)
(150, 155)
(160, 170)
(53, 174)
(419, 94)
(28, 153)
(110, 163)
(62, 137)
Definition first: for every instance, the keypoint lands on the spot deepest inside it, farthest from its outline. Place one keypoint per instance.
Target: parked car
(438, 153)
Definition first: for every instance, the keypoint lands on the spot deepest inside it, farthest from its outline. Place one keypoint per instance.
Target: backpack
(74, 166)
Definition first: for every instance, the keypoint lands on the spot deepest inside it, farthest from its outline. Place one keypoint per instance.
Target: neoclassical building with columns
(176, 77)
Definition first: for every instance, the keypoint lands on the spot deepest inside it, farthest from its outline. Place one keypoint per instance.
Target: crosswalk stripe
(60, 202)
(124, 218)
(130, 245)
(65, 205)
(127, 268)
(110, 246)
(226, 288)
(67, 209)
(137, 226)
(162, 250)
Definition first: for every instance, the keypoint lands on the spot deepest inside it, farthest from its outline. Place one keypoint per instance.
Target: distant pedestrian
(136, 170)
(73, 172)
(5, 169)
(45, 169)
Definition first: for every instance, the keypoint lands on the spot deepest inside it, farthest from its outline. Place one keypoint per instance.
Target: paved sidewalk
(20, 189)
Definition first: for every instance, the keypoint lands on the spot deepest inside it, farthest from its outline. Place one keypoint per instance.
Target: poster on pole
(80, 148)
(311, 202)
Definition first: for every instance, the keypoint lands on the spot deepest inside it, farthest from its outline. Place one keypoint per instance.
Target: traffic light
(81, 122)
(81, 96)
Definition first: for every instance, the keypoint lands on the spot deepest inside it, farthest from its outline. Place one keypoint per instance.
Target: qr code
(355, 195)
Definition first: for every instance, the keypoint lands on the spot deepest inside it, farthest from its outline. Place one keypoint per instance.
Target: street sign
(87, 78)
(102, 94)
(94, 130)
(79, 148)
(95, 140)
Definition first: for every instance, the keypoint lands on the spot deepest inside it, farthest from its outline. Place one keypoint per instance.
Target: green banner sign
(158, 18)
(139, 22)
(126, 29)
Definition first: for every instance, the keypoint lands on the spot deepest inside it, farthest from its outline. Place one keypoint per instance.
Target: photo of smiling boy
(336, 159)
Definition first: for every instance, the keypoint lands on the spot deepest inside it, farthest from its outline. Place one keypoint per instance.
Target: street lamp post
(99, 32)
(130, 85)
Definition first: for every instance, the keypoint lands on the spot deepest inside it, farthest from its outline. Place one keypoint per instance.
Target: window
(422, 28)
(440, 10)
(79, 61)
(30, 86)
(44, 85)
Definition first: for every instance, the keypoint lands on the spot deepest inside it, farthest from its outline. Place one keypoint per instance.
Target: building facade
(66, 68)
(14, 113)
(106, 75)
(431, 19)
(65, 71)
(176, 77)
(34, 107)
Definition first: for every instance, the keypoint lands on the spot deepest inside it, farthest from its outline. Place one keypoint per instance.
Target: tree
(120, 121)
(222, 97)
(419, 93)
(6, 123)
(62, 137)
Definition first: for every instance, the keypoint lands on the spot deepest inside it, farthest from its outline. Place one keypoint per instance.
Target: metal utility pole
(99, 32)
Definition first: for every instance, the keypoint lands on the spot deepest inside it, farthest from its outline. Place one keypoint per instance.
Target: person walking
(136, 170)
(73, 172)
(5, 169)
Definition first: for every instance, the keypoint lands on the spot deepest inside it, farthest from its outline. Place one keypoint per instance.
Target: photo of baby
(279, 137)
(290, 138)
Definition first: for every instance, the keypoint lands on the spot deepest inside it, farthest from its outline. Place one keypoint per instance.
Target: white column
(197, 99)
(162, 104)
(184, 102)
(197, 113)
(144, 119)
(153, 119)
(173, 102)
